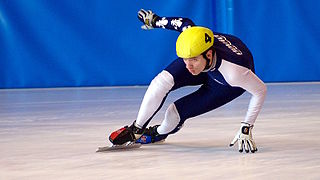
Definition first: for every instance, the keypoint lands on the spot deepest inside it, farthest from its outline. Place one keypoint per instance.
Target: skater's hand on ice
(244, 138)
(147, 18)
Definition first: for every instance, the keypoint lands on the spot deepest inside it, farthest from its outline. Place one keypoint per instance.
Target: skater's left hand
(244, 138)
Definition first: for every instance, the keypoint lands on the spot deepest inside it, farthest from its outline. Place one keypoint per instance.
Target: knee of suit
(171, 121)
(162, 83)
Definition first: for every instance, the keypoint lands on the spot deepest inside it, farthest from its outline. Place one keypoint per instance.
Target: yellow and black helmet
(193, 41)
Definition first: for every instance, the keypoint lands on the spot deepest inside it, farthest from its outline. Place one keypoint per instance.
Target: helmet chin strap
(208, 65)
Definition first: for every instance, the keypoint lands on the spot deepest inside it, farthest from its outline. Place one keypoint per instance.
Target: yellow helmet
(194, 41)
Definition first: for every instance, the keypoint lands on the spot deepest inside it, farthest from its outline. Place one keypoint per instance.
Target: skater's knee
(162, 82)
(172, 113)
(171, 120)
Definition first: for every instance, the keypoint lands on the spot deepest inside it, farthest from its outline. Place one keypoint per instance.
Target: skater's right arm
(150, 20)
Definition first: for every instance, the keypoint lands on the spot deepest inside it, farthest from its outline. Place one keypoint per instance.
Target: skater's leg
(154, 98)
(206, 98)
(171, 120)
(173, 77)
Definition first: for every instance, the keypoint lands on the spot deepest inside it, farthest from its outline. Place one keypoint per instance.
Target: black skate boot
(151, 135)
(126, 134)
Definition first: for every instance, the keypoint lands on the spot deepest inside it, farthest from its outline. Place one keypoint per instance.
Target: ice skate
(123, 138)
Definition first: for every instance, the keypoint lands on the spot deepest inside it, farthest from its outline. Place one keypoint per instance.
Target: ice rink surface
(53, 134)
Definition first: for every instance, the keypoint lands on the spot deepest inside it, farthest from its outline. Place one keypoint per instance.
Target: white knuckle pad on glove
(244, 139)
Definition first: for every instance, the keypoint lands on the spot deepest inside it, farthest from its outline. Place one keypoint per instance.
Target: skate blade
(118, 147)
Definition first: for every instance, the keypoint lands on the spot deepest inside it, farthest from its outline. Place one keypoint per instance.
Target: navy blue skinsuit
(214, 90)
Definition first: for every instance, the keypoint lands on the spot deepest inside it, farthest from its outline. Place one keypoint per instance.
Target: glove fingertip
(254, 150)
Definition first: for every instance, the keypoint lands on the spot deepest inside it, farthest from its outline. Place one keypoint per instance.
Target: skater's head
(195, 46)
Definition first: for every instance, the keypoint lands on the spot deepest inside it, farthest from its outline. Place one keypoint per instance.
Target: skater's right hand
(148, 18)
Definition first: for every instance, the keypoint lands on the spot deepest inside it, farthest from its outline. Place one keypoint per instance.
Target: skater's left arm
(151, 20)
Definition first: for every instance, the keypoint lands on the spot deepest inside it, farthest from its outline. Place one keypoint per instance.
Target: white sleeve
(239, 76)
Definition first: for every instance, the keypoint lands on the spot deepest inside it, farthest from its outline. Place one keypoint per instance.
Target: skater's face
(197, 64)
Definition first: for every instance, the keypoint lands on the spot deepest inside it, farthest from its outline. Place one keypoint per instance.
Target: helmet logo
(207, 38)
